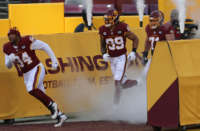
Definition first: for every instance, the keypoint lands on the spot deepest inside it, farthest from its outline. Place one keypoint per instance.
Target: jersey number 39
(116, 43)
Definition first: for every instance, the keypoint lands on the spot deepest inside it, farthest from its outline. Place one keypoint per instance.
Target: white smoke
(140, 8)
(181, 7)
(88, 4)
(133, 102)
(133, 105)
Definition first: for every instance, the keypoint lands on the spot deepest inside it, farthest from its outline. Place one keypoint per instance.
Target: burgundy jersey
(154, 35)
(26, 58)
(171, 30)
(115, 39)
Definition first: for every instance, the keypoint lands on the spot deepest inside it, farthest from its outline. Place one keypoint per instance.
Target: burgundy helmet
(14, 30)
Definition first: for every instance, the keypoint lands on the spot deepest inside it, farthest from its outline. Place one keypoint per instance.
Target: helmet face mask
(108, 21)
(154, 23)
(111, 17)
(12, 38)
(156, 19)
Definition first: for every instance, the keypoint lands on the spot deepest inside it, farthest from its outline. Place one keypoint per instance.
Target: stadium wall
(37, 18)
(4, 26)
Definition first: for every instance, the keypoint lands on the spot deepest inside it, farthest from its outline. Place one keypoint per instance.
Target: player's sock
(117, 92)
(46, 100)
(54, 110)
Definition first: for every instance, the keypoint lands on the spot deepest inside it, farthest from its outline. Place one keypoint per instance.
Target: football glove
(12, 57)
(54, 65)
(144, 60)
(106, 57)
(132, 56)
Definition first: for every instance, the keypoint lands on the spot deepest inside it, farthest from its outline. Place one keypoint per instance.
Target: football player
(156, 31)
(113, 48)
(20, 51)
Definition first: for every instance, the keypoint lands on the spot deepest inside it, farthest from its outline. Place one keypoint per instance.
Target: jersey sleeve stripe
(36, 77)
(124, 70)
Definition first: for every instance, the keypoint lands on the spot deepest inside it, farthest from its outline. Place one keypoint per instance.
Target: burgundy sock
(37, 93)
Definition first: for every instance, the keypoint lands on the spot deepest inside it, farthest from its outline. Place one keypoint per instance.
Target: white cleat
(54, 110)
(61, 120)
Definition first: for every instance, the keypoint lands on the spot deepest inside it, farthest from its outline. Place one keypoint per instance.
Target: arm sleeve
(103, 45)
(40, 45)
(8, 63)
